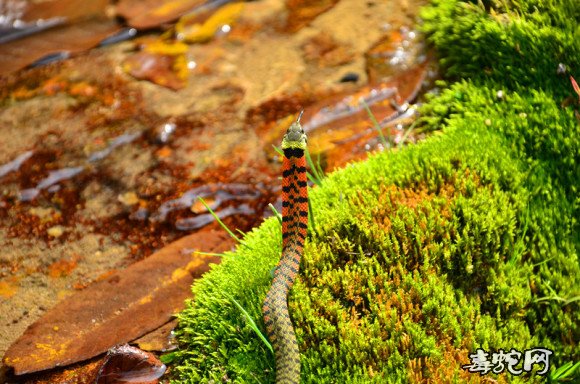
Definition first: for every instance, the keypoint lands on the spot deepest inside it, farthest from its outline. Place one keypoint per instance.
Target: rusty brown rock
(145, 14)
(159, 340)
(339, 135)
(394, 53)
(68, 9)
(160, 69)
(302, 12)
(121, 364)
(126, 364)
(71, 39)
(118, 309)
(80, 373)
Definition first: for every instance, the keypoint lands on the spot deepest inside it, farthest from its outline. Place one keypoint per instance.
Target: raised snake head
(295, 136)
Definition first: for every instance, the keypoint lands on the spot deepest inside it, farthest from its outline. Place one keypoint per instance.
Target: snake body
(294, 229)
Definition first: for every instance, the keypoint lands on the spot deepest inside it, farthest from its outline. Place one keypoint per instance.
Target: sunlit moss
(515, 43)
(468, 239)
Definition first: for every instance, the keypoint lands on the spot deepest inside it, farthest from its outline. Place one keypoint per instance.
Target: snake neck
(294, 212)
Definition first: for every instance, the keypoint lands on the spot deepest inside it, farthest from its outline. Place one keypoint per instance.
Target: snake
(294, 229)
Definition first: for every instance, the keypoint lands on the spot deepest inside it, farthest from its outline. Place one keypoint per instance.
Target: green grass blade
(276, 213)
(406, 134)
(280, 152)
(311, 222)
(251, 322)
(316, 175)
(312, 178)
(543, 262)
(570, 370)
(319, 167)
(225, 227)
(566, 372)
(376, 125)
(210, 254)
(167, 358)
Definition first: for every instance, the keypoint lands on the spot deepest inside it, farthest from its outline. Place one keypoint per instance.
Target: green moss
(468, 239)
(515, 46)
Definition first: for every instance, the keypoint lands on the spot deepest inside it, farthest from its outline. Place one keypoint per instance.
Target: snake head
(295, 136)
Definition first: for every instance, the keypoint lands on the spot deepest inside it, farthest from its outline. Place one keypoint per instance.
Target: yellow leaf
(200, 33)
(162, 48)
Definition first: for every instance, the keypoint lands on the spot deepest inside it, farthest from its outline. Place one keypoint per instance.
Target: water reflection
(116, 142)
(199, 221)
(15, 164)
(51, 180)
(348, 106)
(13, 27)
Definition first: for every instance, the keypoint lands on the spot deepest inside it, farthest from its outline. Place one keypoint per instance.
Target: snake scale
(294, 229)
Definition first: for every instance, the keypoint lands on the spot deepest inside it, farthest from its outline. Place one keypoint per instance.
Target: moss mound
(468, 239)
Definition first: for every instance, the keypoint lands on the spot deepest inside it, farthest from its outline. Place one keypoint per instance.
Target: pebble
(561, 70)
(55, 231)
(349, 77)
(129, 198)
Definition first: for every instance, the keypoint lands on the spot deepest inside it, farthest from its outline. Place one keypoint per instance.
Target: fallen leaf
(161, 47)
